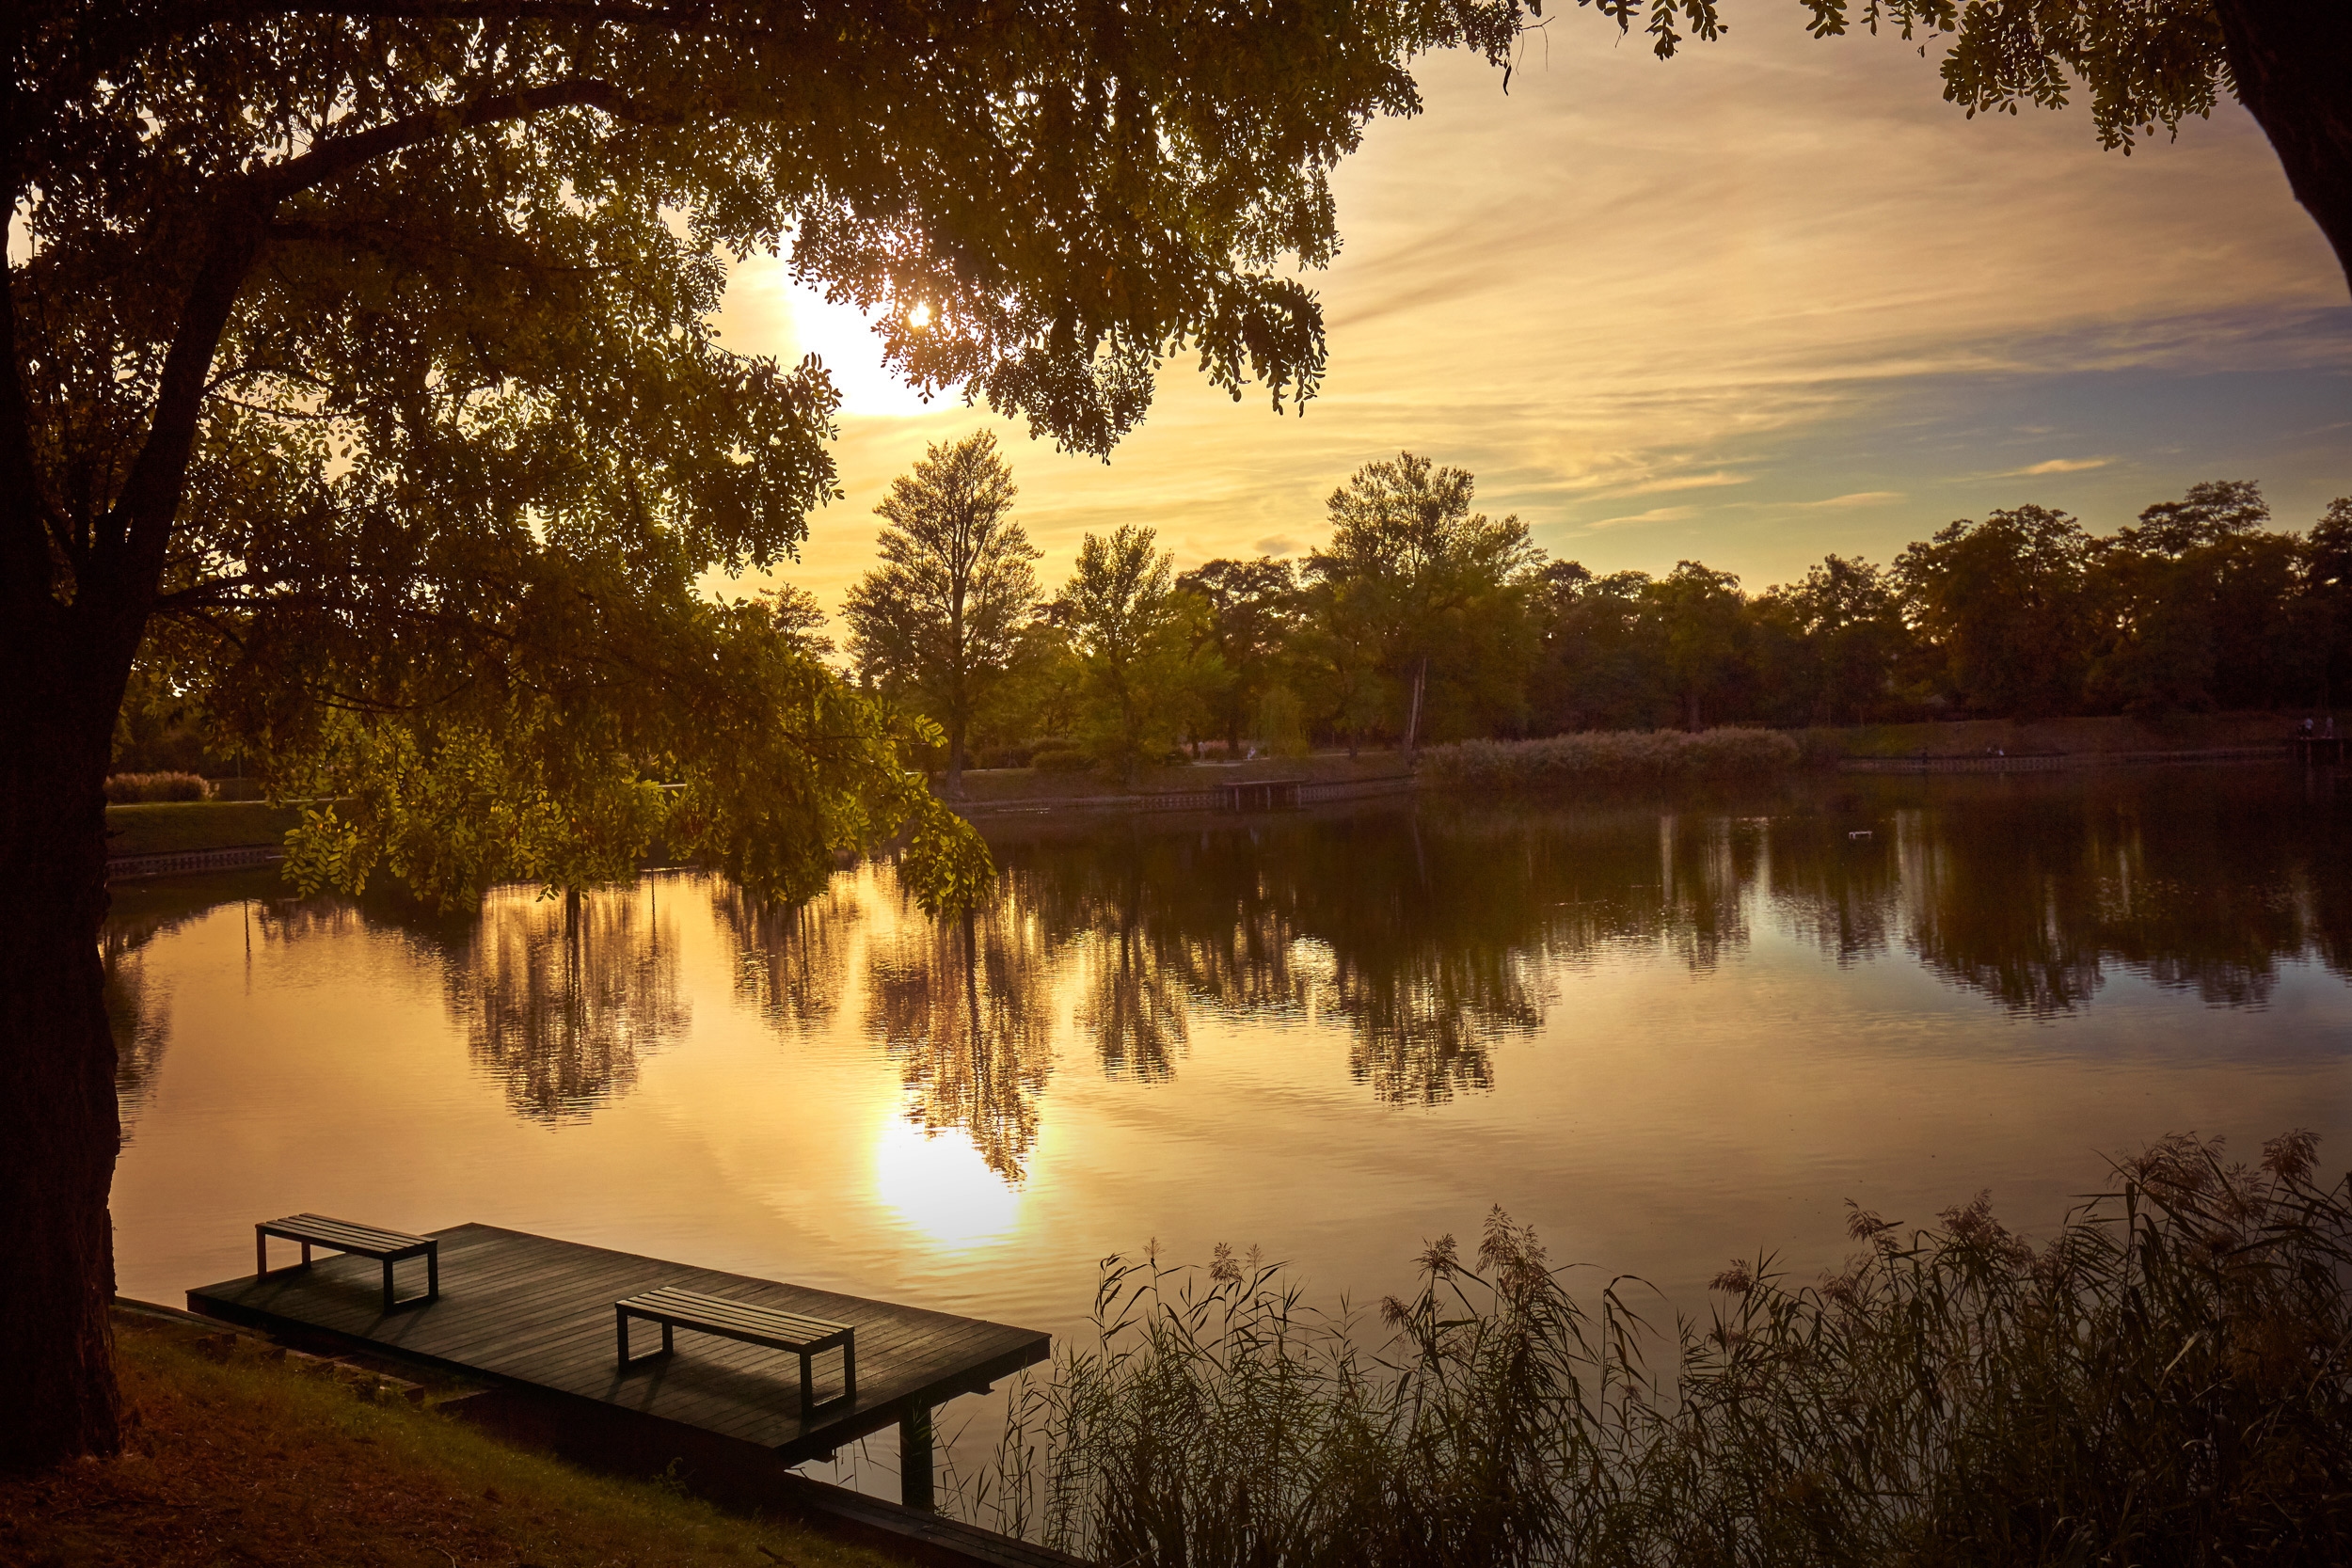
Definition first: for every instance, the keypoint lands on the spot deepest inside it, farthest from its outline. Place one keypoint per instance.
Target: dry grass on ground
(237, 1458)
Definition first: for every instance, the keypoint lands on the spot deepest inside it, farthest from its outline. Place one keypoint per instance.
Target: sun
(919, 318)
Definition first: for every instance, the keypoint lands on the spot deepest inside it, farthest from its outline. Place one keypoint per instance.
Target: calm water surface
(1664, 1033)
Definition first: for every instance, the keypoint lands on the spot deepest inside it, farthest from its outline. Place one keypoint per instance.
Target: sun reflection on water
(940, 1185)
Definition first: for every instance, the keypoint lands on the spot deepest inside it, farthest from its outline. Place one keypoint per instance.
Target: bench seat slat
(688, 1309)
(343, 1235)
(716, 1306)
(785, 1326)
(748, 1319)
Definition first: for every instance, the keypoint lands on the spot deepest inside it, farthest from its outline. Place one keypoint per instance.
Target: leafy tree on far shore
(1443, 591)
(2199, 606)
(941, 619)
(1702, 637)
(2327, 596)
(2001, 603)
(1120, 608)
(1251, 610)
(1844, 642)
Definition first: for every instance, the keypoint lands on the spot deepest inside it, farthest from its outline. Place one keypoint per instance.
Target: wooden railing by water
(127, 867)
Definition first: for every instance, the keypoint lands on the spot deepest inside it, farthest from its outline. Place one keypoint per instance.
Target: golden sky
(1771, 299)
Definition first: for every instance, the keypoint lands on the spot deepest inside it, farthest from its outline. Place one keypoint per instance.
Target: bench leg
(848, 1369)
(808, 1385)
(620, 1331)
(433, 1273)
(387, 1285)
(261, 1250)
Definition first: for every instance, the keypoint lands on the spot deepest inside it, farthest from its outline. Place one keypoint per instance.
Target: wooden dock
(537, 1313)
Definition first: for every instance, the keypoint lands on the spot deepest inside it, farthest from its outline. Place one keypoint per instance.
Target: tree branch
(137, 531)
(337, 155)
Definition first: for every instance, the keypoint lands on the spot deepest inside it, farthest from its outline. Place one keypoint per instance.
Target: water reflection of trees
(1429, 934)
(790, 960)
(138, 1006)
(1435, 933)
(2204, 880)
(966, 1007)
(139, 1015)
(561, 996)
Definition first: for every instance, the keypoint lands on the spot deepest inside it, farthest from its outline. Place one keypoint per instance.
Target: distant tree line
(1424, 620)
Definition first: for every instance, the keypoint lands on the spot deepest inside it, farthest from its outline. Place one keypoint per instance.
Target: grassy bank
(2167, 1380)
(1630, 756)
(236, 1457)
(178, 827)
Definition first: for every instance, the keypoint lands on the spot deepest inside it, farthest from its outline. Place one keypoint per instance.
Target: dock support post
(915, 1457)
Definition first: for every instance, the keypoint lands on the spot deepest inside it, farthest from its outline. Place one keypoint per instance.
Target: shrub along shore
(1527, 767)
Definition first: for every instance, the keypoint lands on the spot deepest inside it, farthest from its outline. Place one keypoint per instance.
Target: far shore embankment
(1988, 745)
(201, 835)
(1014, 791)
(2114, 736)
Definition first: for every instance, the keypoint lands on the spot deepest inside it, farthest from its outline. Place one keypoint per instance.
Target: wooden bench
(390, 1247)
(752, 1324)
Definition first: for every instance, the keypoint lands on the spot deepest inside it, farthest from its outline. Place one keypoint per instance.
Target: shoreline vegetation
(1518, 767)
(236, 1452)
(2166, 1380)
(1662, 755)
(1523, 767)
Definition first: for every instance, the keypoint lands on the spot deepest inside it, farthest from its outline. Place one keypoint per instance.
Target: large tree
(1444, 588)
(1248, 617)
(941, 619)
(2001, 606)
(1120, 609)
(360, 369)
(2144, 63)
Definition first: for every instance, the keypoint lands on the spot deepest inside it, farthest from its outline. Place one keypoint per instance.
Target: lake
(1664, 1032)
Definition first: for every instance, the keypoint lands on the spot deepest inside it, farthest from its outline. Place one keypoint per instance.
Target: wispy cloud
(1676, 482)
(1654, 515)
(2056, 466)
(1279, 544)
(1860, 497)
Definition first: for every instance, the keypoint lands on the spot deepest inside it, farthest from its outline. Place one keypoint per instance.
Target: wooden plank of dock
(537, 1312)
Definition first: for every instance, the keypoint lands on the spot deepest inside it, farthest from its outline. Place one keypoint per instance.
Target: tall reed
(2167, 1380)
(1608, 757)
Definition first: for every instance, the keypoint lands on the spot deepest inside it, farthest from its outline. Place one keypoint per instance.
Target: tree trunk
(1413, 720)
(59, 1129)
(2292, 60)
(955, 759)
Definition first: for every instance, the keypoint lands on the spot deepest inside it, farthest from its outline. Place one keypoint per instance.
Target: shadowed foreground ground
(236, 1455)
